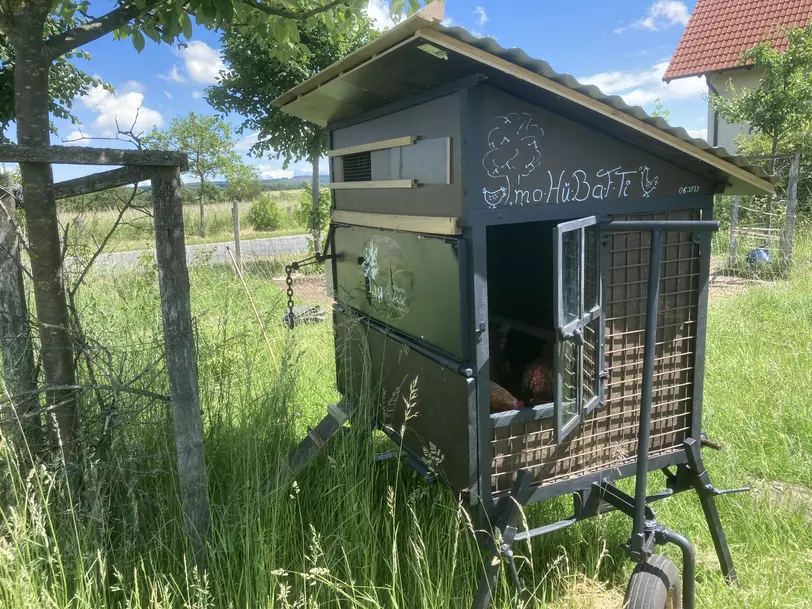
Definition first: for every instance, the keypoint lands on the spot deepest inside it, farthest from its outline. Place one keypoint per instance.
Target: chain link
(317, 258)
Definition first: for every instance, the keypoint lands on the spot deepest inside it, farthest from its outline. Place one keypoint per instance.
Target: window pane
(569, 372)
(590, 267)
(591, 359)
(571, 275)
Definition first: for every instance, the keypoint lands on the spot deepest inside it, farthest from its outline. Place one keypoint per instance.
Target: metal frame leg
(707, 497)
(502, 541)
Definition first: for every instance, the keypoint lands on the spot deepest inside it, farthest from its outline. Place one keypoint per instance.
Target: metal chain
(289, 282)
(315, 259)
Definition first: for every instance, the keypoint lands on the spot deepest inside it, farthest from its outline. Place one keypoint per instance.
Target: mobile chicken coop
(537, 255)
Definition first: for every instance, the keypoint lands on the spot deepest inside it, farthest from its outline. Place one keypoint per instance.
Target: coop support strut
(501, 543)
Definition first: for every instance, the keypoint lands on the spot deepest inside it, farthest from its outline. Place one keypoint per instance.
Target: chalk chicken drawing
(648, 184)
(513, 153)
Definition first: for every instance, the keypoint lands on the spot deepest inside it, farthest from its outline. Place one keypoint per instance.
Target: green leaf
(138, 40)
(396, 9)
(152, 32)
(186, 25)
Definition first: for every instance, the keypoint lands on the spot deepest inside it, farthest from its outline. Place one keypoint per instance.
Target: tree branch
(92, 30)
(281, 11)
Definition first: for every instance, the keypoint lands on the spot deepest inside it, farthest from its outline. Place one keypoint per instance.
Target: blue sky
(622, 46)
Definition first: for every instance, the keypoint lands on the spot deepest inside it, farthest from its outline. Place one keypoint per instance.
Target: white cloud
(700, 133)
(481, 16)
(448, 22)
(124, 108)
(645, 87)
(272, 169)
(203, 63)
(378, 12)
(661, 14)
(244, 144)
(131, 85)
(272, 172)
(168, 94)
(197, 94)
(173, 75)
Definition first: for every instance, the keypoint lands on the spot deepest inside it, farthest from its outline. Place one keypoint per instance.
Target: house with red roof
(717, 34)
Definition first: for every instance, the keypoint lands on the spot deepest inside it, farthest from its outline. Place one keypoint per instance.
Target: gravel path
(213, 252)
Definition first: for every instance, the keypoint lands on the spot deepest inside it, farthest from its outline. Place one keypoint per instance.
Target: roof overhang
(393, 67)
(714, 70)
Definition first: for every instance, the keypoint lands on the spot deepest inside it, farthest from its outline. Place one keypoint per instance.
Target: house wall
(724, 133)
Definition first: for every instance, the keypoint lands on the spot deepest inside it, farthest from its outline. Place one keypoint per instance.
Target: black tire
(654, 585)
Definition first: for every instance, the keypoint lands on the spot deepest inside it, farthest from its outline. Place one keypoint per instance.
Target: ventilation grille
(358, 167)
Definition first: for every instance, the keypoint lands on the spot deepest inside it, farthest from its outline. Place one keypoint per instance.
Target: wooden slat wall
(608, 437)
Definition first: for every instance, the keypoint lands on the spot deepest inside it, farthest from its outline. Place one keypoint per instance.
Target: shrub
(265, 213)
(304, 211)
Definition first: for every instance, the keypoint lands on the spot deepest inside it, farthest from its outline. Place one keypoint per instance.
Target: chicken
(498, 364)
(537, 381)
(647, 183)
(502, 399)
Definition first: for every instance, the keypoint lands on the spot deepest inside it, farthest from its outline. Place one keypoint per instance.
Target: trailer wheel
(654, 585)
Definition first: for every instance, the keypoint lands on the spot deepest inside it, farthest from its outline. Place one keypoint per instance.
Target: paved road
(213, 252)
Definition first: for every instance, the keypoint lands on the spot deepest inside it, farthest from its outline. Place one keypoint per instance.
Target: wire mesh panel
(608, 436)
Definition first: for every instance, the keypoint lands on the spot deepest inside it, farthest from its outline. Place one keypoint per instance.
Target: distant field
(136, 232)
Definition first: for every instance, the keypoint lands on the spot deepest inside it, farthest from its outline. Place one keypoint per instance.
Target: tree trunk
(315, 218)
(15, 340)
(181, 360)
(202, 230)
(31, 104)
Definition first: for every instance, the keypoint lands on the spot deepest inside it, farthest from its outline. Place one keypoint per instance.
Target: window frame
(569, 332)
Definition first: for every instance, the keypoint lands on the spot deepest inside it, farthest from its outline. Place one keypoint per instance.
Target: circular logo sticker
(388, 277)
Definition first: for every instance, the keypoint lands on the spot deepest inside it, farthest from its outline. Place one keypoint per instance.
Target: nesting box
(472, 189)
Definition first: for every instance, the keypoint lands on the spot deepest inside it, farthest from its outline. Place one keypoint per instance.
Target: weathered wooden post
(734, 222)
(15, 340)
(181, 360)
(235, 213)
(315, 207)
(788, 234)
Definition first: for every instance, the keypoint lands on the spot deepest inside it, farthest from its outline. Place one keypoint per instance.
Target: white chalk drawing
(388, 278)
(647, 184)
(370, 265)
(513, 153)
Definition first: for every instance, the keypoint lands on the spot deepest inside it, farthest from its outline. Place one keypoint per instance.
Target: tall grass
(136, 232)
(354, 533)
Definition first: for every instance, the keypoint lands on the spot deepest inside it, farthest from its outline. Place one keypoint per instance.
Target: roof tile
(719, 31)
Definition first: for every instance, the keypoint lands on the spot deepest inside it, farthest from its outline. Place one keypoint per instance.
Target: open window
(579, 323)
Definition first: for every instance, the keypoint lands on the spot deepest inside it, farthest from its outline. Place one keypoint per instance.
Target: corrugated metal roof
(539, 66)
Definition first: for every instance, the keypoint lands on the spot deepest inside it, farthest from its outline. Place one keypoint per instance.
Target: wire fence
(757, 236)
(253, 373)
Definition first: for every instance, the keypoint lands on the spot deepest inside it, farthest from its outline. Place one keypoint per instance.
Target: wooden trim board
(584, 100)
(373, 184)
(382, 145)
(434, 225)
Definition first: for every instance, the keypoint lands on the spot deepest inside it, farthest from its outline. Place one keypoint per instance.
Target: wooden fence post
(734, 222)
(181, 360)
(15, 339)
(235, 213)
(788, 234)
